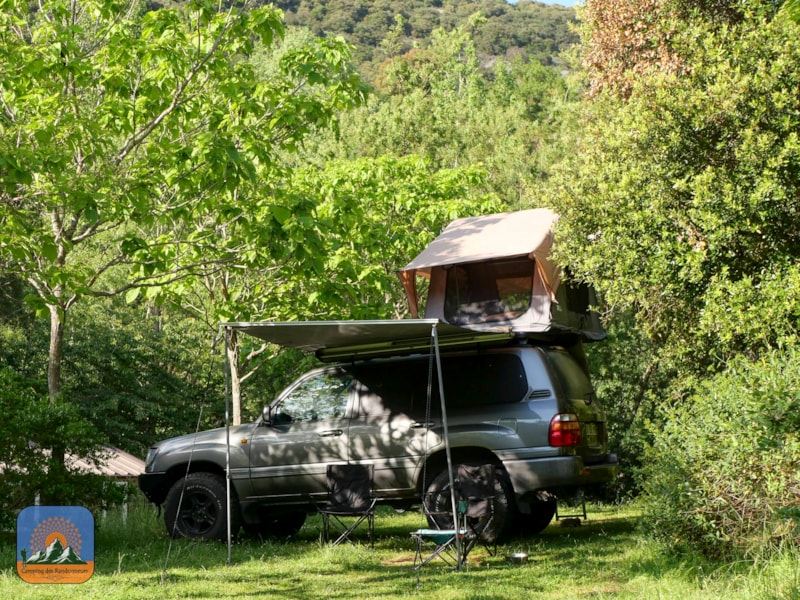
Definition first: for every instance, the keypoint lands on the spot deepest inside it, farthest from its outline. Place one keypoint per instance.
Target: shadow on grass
(302, 567)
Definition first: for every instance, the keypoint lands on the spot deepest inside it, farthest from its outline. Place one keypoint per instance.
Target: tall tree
(141, 139)
(438, 102)
(682, 201)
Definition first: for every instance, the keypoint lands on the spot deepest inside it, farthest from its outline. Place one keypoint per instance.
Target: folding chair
(444, 544)
(475, 497)
(476, 486)
(350, 502)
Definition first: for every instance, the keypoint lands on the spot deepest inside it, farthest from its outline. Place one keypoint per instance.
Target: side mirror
(266, 415)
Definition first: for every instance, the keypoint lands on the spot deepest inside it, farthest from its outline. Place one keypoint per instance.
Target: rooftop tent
(495, 270)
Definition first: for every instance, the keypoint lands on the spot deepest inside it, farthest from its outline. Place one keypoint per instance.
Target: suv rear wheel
(196, 508)
(540, 517)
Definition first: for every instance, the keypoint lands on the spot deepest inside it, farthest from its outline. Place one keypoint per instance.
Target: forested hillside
(541, 31)
(165, 170)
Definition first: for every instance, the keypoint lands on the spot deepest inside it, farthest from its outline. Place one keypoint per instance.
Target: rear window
(483, 292)
(468, 381)
(572, 378)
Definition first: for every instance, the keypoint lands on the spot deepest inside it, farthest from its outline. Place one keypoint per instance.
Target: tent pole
(228, 439)
(447, 452)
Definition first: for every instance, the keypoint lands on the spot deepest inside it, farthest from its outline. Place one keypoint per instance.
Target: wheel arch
(468, 454)
(177, 472)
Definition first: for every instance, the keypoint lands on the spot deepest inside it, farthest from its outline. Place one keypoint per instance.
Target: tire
(278, 525)
(196, 508)
(542, 514)
(438, 505)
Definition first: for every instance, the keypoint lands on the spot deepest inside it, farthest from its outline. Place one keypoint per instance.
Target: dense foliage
(532, 28)
(165, 170)
(722, 475)
(680, 205)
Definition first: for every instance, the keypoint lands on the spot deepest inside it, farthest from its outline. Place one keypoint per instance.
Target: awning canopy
(351, 340)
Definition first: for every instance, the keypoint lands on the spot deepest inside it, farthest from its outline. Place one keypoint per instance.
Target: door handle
(423, 424)
(331, 433)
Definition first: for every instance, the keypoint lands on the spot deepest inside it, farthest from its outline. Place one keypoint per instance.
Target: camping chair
(475, 496)
(476, 486)
(350, 502)
(440, 543)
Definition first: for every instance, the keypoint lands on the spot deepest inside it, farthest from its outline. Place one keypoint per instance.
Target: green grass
(606, 557)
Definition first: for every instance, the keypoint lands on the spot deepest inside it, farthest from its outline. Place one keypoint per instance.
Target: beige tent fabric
(473, 239)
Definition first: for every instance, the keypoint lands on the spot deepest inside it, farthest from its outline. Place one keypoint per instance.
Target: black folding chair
(350, 503)
(475, 497)
(476, 486)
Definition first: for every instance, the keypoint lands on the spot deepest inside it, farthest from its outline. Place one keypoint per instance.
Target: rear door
(308, 431)
(389, 428)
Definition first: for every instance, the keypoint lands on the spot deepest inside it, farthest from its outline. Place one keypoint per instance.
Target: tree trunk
(236, 386)
(56, 462)
(57, 318)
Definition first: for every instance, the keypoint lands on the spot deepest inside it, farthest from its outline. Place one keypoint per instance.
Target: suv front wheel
(196, 508)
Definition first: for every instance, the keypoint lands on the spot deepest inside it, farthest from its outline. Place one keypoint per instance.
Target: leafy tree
(625, 40)
(31, 426)
(543, 31)
(374, 216)
(140, 140)
(681, 202)
(437, 102)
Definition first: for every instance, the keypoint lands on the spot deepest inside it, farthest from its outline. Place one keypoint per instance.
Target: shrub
(36, 435)
(721, 476)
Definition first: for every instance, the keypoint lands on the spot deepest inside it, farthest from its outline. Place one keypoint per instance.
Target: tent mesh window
(498, 290)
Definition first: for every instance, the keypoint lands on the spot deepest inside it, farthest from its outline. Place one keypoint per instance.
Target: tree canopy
(140, 138)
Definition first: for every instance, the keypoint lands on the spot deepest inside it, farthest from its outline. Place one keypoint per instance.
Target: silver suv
(530, 410)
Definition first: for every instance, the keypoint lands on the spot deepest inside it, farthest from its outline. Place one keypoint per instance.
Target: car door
(389, 428)
(307, 430)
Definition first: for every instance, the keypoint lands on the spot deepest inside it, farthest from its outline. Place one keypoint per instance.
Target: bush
(722, 475)
(36, 435)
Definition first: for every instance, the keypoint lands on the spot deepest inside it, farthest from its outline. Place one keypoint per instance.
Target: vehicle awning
(351, 340)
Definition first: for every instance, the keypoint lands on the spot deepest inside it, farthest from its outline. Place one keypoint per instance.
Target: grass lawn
(606, 557)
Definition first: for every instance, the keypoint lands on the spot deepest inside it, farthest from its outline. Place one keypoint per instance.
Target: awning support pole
(228, 440)
(448, 454)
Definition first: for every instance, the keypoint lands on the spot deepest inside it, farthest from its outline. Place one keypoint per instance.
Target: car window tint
(403, 386)
(393, 387)
(483, 379)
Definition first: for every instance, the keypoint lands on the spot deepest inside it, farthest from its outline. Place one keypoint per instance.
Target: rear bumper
(557, 473)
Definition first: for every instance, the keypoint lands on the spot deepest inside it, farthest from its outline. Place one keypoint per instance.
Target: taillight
(565, 430)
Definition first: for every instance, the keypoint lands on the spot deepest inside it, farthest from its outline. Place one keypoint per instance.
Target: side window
(572, 378)
(392, 388)
(484, 380)
(319, 398)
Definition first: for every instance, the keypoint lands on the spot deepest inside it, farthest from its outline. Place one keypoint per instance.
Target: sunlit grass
(606, 557)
